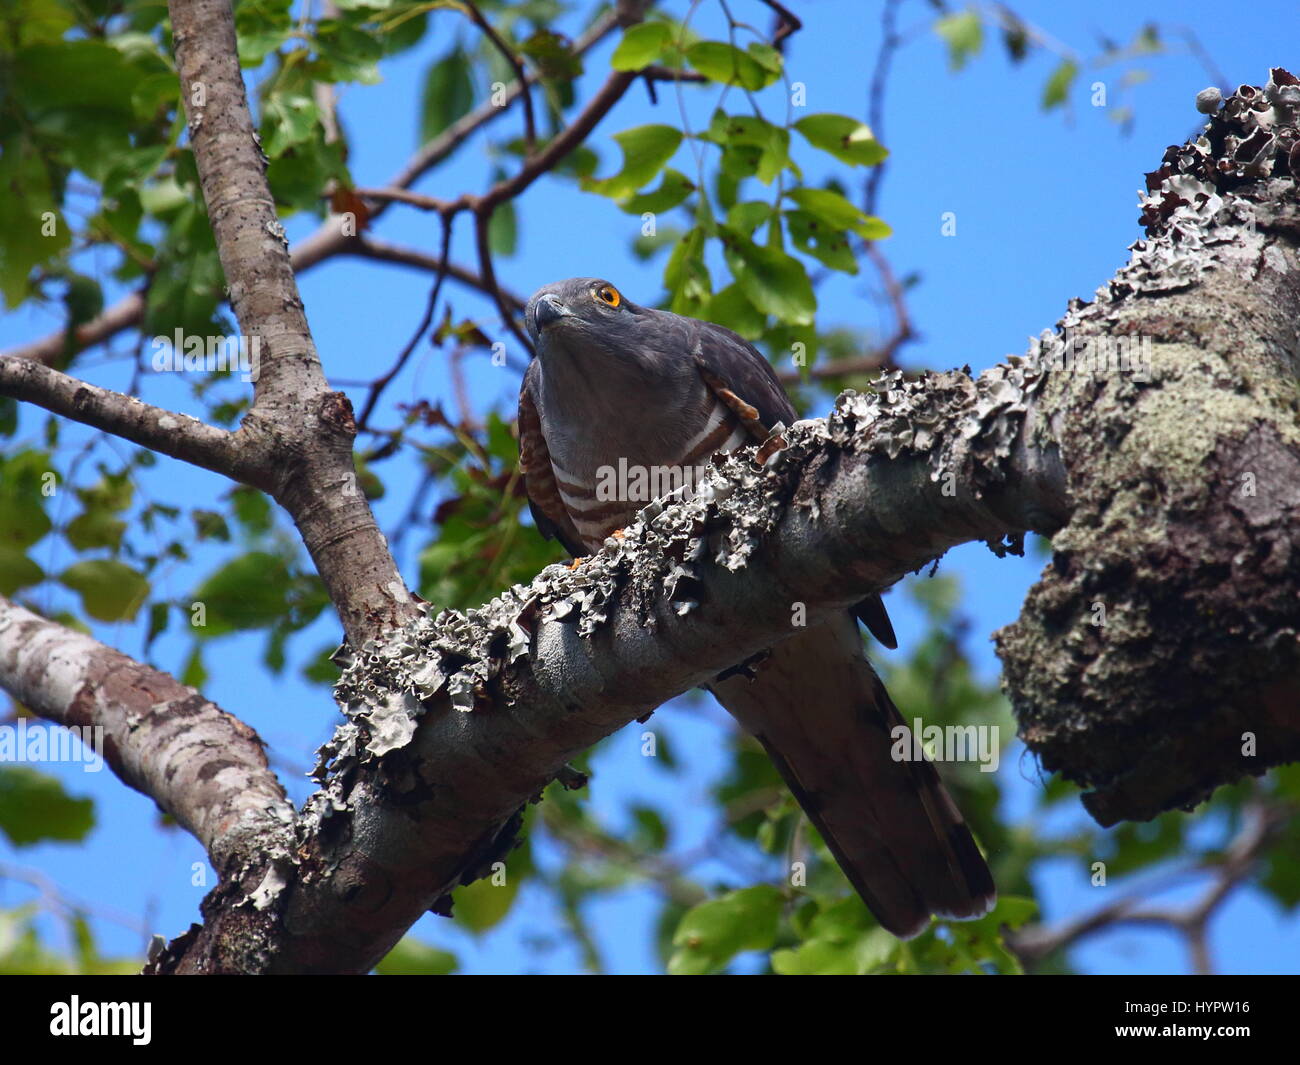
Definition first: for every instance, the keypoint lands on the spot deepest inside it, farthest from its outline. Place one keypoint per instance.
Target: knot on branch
(1158, 656)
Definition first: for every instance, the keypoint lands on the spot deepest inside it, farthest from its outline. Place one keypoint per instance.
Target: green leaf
(185, 290)
(41, 21)
(35, 231)
(17, 570)
(748, 216)
(195, 673)
(769, 145)
(288, 119)
(159, 616)
(95, 528)
(503, 230)
(552, 54)
(83, 77)
(714, 932)
(484, 904)
(774, 282)
(109, 590)
(719, 61)
(448, 94)
(411, 957)
(248, 592)
(849, 140)
(686, 276)
(673, 190)
(25, 481)
(836, 211)
(766, 56)
(84, 299)
(351, 54)
(34, 807)
(1057, 90)
(841, 940)
(731, 307)
(651, 833)
(640, 46)
(646, 149)
(828, 245)
(963, 33)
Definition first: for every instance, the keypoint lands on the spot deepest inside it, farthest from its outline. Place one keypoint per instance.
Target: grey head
(621, 376)
(587, 324)
(586, 316)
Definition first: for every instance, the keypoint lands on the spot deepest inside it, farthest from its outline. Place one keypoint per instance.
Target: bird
(615, 382)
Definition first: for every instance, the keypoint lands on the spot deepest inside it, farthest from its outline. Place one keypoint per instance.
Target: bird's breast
(605, 473)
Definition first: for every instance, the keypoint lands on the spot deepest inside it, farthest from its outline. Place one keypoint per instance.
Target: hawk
(616, 385)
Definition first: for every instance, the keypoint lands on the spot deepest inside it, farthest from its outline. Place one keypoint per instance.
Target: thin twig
(382, 251)
(788, 24)
(482, 222)
(889, 42)
(521, 76)
(376, 389)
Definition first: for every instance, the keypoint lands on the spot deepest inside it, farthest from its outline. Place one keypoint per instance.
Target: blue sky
(1045, 206)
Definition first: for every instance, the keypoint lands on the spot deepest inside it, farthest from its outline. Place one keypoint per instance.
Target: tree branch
(382, 251)
(164, 431)
(202, 766)
(299, 431)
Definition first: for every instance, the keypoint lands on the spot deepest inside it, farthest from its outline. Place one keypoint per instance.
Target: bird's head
(584, 316)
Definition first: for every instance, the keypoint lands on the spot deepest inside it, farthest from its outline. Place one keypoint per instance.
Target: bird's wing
(544, 502)
(736, 372)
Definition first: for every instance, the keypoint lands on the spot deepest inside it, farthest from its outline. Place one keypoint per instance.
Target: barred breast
(605, 497)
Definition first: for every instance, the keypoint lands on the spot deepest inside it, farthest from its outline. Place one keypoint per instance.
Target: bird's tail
(825, 718)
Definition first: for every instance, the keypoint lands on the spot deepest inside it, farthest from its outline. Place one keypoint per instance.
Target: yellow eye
(608, 294)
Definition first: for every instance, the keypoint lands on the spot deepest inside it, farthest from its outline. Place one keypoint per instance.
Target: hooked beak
(547, 311)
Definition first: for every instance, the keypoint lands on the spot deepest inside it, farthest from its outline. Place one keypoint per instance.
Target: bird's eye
(608, 294)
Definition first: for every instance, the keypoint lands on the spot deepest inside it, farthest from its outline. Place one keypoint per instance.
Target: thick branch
(164, 431)
(202, 766)
(1159, 656)
(302, 432)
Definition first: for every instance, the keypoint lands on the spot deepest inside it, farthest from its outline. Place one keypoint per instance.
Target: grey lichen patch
(1193, 202)
(963, 425)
